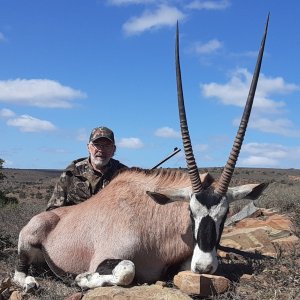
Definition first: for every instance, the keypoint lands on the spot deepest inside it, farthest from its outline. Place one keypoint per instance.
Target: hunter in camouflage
(85, 177)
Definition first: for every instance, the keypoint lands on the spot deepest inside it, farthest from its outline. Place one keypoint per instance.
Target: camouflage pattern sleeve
(59, 196)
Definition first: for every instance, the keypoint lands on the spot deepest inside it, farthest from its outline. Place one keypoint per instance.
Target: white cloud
(209, 5)
(167, 132)
(281, 126)
(270, 155)
(257, 161)
(6, 113)
(8, 163)
(207, 48)
(132, 143)
(27, 123)
(265, 149)
(164, 16)
(235, 91)
(38, 92)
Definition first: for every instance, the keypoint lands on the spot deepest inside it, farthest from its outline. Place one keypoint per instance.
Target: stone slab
(143, 292)
(201, 284)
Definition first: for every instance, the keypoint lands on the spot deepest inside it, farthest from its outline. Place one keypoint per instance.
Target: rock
(223, 254)
(76, 296)
(275, 221)
(201, 284)
(263, 234)
(286, 243)
(16, 295)
(161, 283)
(143, 292)
(250, 210)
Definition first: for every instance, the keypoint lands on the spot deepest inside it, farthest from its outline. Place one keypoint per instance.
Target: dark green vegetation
(273, 279)
(4, 199)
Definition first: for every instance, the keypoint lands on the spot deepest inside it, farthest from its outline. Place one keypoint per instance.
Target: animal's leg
(21, 272)
(29, 248)
(109, 272)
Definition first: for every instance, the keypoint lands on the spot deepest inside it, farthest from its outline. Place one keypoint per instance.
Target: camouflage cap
(102, 132)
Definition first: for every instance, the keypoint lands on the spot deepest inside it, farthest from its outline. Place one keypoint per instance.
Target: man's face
(101, 151)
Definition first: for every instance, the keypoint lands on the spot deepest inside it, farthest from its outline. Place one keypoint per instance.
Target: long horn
(227, 173)
(187, 145)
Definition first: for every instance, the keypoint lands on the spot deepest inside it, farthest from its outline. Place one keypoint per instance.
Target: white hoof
(30, 284)
(83, 279)
(26, 282)
(89, 280)
(124, 272)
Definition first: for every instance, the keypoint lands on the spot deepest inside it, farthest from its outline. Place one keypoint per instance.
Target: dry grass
(270, 279)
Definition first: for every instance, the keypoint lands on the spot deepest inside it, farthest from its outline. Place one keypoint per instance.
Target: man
(84, 177)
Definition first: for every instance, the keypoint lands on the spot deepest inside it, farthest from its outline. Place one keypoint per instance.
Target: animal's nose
(204, 270)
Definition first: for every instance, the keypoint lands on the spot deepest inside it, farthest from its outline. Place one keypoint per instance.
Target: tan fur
(119, 222)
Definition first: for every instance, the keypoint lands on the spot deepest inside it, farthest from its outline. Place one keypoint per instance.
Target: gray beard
(99, 162)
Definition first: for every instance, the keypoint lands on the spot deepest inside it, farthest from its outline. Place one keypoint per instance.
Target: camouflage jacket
(80, 181)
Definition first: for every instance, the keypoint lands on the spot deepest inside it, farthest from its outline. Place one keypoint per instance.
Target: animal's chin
(208, 270)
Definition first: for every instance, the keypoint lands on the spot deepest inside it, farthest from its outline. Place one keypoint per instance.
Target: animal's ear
(168, 196)
(159, 198)
(247, 191)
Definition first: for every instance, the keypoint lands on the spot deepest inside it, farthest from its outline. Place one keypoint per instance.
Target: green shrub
(4, 200)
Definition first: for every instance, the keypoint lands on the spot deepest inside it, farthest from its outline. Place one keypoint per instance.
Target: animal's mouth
(201, 270)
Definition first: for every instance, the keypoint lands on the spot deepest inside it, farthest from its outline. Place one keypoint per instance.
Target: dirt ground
(277, 278)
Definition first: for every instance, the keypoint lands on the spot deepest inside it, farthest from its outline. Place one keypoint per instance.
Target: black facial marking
(106, 267)
(207, 235)
(221, 228)
(193, 226)
(208, 198)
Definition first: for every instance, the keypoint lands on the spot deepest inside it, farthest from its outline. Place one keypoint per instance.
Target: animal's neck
(173, 232)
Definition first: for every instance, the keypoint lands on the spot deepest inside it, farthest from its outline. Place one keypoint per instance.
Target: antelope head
(209, 206)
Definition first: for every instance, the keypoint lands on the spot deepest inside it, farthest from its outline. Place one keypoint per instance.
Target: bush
(2, 176)
(3, 198)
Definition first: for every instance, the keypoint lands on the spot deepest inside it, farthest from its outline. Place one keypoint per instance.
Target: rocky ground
(261, 263)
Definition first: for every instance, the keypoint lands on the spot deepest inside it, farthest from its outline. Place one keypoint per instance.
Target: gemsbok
(143, 222)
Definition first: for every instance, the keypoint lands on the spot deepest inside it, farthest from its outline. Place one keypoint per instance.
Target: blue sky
(69, 66)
